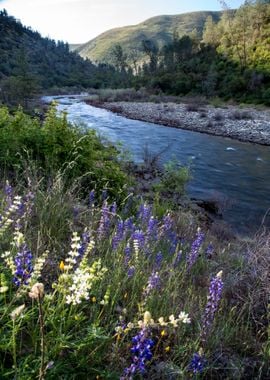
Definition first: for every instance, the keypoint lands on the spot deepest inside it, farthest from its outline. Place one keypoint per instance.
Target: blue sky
(77, 21)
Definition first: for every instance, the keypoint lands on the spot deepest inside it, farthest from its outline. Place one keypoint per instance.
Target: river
(234, 173)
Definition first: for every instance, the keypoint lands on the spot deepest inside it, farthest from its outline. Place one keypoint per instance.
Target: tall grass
(95, 290)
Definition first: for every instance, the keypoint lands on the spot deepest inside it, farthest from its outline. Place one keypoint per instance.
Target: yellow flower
(93, 299)
(163, 333)
(62, 265)
(167, 349)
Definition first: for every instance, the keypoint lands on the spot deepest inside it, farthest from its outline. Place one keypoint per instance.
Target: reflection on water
(235, 173)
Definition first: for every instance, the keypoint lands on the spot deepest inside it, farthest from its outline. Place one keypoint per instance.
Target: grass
(104, 269)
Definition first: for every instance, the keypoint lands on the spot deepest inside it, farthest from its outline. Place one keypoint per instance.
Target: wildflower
(131, 271)
(104, 223)
(119, 234)
(91, 198)
(152, 228)
(163, 333)
(3, 289)
(138, 240)
(209, 250)
(73, 255)
(83, 279)
(195, 248)
(106, 298)
(213, 299)
(159, 259)
(167, 349)
(3, 284)
(173, 321)
(141, 351)
(17, 312)
(162, 322)
(144, 213)
(147, 318)
(37, 291)
(153, 283)
(183, 317)
(62, 265)
(198, 363)
(93, 299)
(23, 266)
(38, 266)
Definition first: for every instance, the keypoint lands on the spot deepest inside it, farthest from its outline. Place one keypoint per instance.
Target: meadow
(98, 283)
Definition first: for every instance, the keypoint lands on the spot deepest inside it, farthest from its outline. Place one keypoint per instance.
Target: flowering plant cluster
(129, 266)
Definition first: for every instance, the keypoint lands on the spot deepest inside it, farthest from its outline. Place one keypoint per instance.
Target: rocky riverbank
(244, 124)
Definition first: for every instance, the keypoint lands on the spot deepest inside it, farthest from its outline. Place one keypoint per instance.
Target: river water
(234, 173)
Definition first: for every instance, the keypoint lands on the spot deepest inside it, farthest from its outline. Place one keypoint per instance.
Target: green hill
(30, 63)
(159, 29)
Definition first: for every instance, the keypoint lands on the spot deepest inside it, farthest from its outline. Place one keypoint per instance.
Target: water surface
(235, 173)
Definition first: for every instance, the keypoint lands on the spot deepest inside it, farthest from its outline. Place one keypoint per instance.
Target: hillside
(160, 29)
(31, 63)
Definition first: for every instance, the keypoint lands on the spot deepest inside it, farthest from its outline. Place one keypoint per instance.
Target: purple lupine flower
(152, 228)
(158, 259)
(139, 237)
(129, 226)
(119, 234)
(141, 351)
(131, 271)
(209, 251)
(104, 223)
(195, 248)
(173, 241)
(152, 283)
(24, 266)
(145, 212)
(127, 252)
(167, 223)
(84, 243)
(213, 299)
(197, 364)
(113, 208)
(91, 198)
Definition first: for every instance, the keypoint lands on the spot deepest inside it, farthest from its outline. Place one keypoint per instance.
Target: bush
(174, 179)
(57, 146)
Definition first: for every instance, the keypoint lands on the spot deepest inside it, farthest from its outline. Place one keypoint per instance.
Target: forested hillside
(231, 59)
(29, 63)
(159, 29)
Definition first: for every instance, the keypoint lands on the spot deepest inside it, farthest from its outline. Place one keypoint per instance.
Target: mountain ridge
(159, 29)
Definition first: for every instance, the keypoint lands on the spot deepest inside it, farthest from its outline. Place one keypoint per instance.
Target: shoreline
(245, 124)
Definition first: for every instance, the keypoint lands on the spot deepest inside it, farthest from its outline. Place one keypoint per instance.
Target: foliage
(159, 30)
(174, 179)
(124, 293)
(30, 63)
(57, 146)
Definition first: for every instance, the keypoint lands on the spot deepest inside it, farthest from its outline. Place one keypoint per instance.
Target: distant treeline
(231, 60)
(30, 63)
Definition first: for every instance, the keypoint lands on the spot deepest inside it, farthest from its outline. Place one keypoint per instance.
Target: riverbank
(246, 124)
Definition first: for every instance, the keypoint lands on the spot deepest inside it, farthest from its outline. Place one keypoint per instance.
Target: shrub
(174, 179)
(57, 146)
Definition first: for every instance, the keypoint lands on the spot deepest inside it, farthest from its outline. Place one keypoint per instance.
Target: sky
(78, 21)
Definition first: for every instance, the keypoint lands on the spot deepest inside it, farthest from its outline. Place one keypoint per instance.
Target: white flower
(173, 321)
(183, 317)
(162, 322)
(16, 312)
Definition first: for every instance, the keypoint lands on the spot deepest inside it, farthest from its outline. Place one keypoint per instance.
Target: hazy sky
(77, 21)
